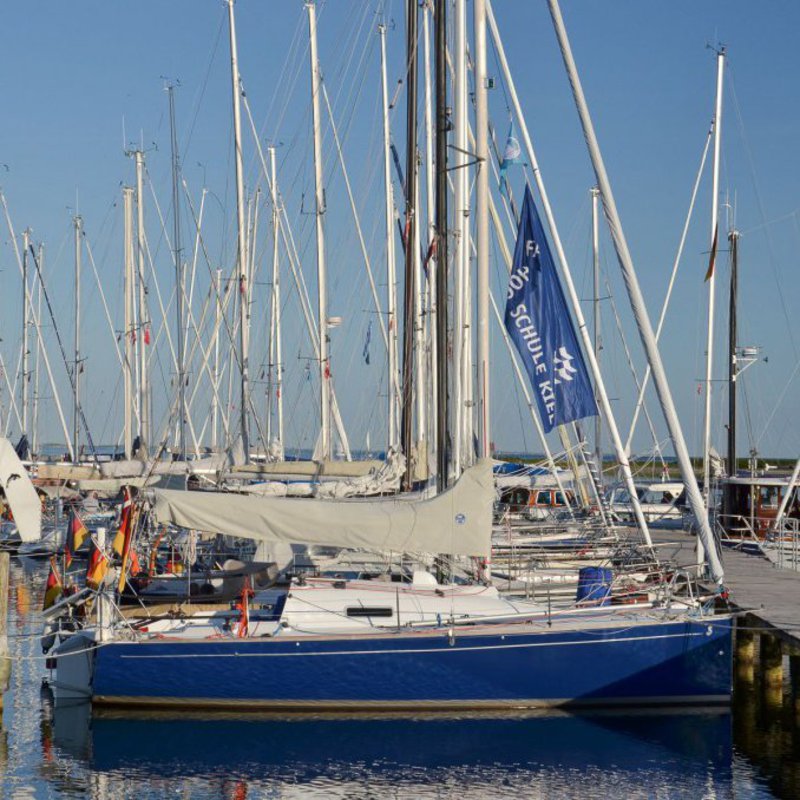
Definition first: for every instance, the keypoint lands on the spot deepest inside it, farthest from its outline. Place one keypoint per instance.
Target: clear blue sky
(76, 75)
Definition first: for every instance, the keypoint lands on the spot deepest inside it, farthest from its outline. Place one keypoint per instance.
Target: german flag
(123, 534)
(54, 587)
(76, 536)
(98, 566)
(122, 541)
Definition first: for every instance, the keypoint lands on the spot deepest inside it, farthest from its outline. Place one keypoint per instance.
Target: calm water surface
(750, 753)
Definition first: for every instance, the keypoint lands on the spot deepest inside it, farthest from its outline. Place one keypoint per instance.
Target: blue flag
(539, 324)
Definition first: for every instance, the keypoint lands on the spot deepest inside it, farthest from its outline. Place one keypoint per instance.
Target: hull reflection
(548, 754)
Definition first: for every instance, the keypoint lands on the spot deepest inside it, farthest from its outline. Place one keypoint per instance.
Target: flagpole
(602, 394)
(637, 303)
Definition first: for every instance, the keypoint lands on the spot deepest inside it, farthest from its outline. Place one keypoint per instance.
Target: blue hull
(652, 663)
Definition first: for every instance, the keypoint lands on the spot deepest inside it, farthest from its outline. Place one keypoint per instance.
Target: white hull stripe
(453, 649)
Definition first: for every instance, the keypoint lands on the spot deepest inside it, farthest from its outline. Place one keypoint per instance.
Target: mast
(391, 266)
(322, 283)
(277, 365)
(430, 236)
(144, 320)
(241, 242)
(215, 394)
(26, 241)
(409, 286)
(482, 226)
(733, 238)
(598, 421)
(127, 369)
(76, 369)
(711, 285)
(36, 394)
(461, 238)
(640, 313)
(442, 443)
(179, 273)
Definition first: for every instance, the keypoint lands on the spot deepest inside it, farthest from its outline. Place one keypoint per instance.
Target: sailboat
(336, 644)
(393, 644)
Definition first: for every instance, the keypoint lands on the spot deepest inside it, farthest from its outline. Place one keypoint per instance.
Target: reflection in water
(767, 732)
(551, 755)
(67, 753)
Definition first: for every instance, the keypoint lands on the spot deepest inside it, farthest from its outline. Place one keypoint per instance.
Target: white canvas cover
(20, 494)
(458, 521)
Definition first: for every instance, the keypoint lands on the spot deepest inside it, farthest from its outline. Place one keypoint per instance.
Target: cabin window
(769, 497)
(543, 499)
(370, 611)
(560, 499)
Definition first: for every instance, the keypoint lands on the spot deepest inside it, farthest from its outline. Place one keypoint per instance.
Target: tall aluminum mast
(442, 421)
(391, 265)
(179, 273)
(461, 241)
(322, 281)
(276, 364)
(241, 241)
(409, 286)
(76, 369)
(733, 368)
(711, 279)
(26, 242)
(597, 335)
(144, 318)
(127, 367)
(482, 226)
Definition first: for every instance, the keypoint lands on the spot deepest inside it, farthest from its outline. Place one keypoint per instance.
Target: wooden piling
(794, 680)
(771, 661)
(745, 646)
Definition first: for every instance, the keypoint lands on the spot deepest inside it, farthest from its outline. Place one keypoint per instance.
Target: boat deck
(769, 595)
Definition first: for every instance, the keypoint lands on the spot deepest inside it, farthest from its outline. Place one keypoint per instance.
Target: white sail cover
(458, 521)
(20, 494)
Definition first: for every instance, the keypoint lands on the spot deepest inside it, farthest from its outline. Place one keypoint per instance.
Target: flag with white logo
(539, 324)
(512, 154)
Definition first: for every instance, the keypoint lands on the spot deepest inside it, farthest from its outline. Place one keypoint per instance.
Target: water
(753, 752)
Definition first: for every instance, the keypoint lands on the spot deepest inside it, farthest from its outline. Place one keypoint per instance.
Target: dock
(768, 595)
(768, 598)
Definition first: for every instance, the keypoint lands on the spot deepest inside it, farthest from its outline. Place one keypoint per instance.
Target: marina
(381, 420)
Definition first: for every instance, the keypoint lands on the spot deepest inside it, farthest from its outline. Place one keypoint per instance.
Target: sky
(84, 82)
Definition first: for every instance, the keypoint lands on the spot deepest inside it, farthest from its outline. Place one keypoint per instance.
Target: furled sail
(20, 494)
(458, 521)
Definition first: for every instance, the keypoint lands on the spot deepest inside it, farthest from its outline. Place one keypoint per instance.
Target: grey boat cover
(458, 521)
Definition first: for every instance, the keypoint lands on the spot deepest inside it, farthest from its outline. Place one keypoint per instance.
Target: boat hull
(640, 664)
